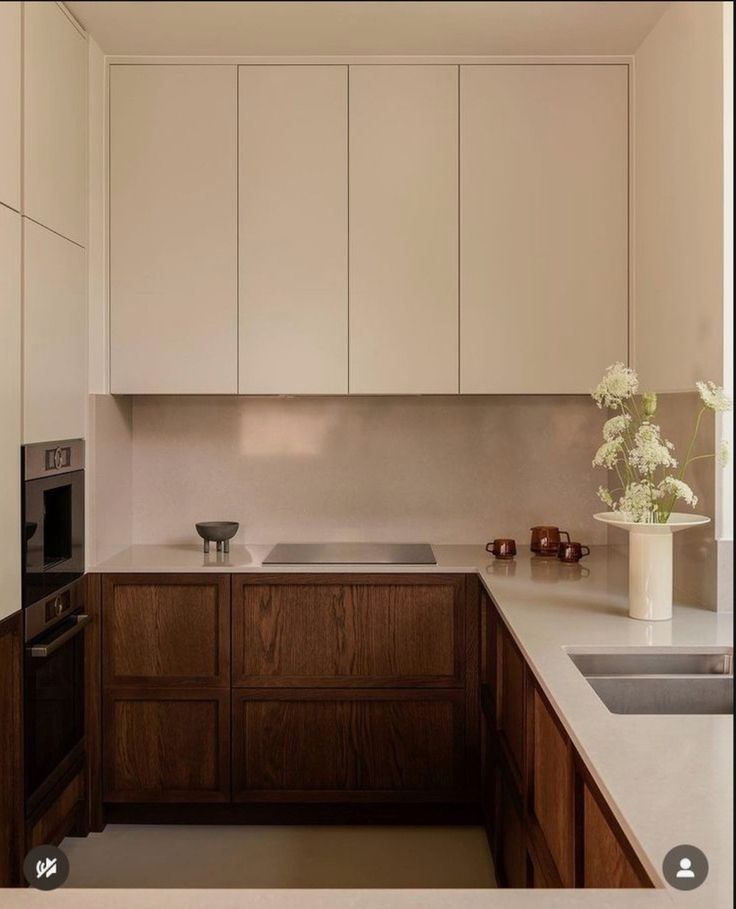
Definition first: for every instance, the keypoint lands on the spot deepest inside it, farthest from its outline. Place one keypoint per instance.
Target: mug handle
(585, 550)
(489, 547)
(566, 534)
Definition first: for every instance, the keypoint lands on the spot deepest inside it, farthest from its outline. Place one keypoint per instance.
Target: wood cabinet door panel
(607, 858)
(553, 788)
(166, 630)
(347, 745)
(328, 632)
(511, 694)
(511, 854)
(166, 745)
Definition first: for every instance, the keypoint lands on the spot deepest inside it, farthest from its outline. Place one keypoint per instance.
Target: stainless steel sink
(666, 681)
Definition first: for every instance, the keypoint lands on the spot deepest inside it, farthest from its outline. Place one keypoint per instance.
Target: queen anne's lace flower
(650, 451)
(714, 397)
(672, 487)
(605, 496)
(724, 453)
(638, 503)
(618, 384)
(615, 427)
(608, 454)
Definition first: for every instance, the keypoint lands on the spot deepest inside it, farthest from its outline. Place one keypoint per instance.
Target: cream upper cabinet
(10, 410)
(293, 200)
(54, 336)
(173, 229)
(10, 43)
(55, 121)
(543, 226)
(403, 229)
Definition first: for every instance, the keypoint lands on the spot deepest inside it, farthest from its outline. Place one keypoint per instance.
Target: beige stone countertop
(668, 779)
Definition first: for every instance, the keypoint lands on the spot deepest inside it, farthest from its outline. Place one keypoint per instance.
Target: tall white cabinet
(543, 226)
(54, 336)
(55, 121)
(403, 230)
(10, 81)
(293, 235)
(10, 410)
(173, 229)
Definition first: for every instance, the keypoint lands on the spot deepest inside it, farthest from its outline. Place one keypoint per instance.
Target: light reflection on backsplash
(443, 469)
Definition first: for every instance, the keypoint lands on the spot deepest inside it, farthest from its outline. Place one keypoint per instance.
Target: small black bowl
(220, 532)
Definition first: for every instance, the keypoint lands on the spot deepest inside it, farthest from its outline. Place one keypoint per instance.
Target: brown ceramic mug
(572, 552)
(502, 548)
(546, 539)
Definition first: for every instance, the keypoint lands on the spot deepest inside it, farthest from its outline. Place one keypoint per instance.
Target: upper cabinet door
(544, 226)
(173, 229)
(10, 104)
(54, 336)
(293, 199)
(403, 229)
(55, 121)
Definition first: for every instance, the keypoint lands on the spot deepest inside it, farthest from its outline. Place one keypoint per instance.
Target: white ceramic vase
(650, 562)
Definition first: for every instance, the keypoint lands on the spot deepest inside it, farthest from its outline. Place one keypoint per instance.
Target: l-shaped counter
(667, 779)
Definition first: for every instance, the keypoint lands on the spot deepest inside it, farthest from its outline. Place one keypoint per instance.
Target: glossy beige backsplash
(448, 470)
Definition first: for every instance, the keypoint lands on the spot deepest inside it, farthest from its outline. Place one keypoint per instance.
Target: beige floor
(265, 857)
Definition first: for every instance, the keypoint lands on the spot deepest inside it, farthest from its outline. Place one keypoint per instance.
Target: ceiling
(369, 27)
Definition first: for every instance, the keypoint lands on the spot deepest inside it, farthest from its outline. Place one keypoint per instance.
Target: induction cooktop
(351, 554)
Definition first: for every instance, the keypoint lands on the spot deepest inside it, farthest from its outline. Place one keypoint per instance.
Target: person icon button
(685, 867)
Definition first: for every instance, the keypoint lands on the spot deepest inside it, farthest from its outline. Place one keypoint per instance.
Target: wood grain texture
(511, 711)
(350, 631)
(510, 855)
(166, 745)
(552, 794)
(607, 860)
(166, 630)
(11, 753)
(93, 702)
(340, 745)
(62, 816)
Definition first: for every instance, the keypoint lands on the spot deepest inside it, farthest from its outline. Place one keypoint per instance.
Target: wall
(424, 468)
(678, 199)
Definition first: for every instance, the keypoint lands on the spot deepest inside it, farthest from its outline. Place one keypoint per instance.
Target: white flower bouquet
(650, 483)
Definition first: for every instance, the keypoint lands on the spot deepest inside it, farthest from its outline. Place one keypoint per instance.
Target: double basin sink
(648, 680)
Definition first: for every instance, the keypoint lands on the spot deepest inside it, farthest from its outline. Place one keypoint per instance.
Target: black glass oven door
(54, 704)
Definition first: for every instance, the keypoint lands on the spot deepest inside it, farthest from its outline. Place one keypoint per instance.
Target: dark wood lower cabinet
(66, 816)
(349, 746)
(163, 745)
(547, 823)
(11, 750)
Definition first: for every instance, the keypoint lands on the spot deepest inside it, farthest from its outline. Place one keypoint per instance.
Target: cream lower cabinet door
(54, 121)
(293, 239)
(54, 336)
(403, 229)
(173, 229)
(544, 226)
(10, 411)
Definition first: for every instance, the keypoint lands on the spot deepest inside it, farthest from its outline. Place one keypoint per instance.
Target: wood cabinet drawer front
(511, 696)
(166, 746)
(348, 634)
(608, 861)
(160, 632)
(347, 746)
(553, 789)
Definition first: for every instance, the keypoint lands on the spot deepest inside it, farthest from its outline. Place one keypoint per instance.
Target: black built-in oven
(54, 616)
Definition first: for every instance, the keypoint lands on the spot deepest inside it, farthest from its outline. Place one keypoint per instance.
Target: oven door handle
(45, 650)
